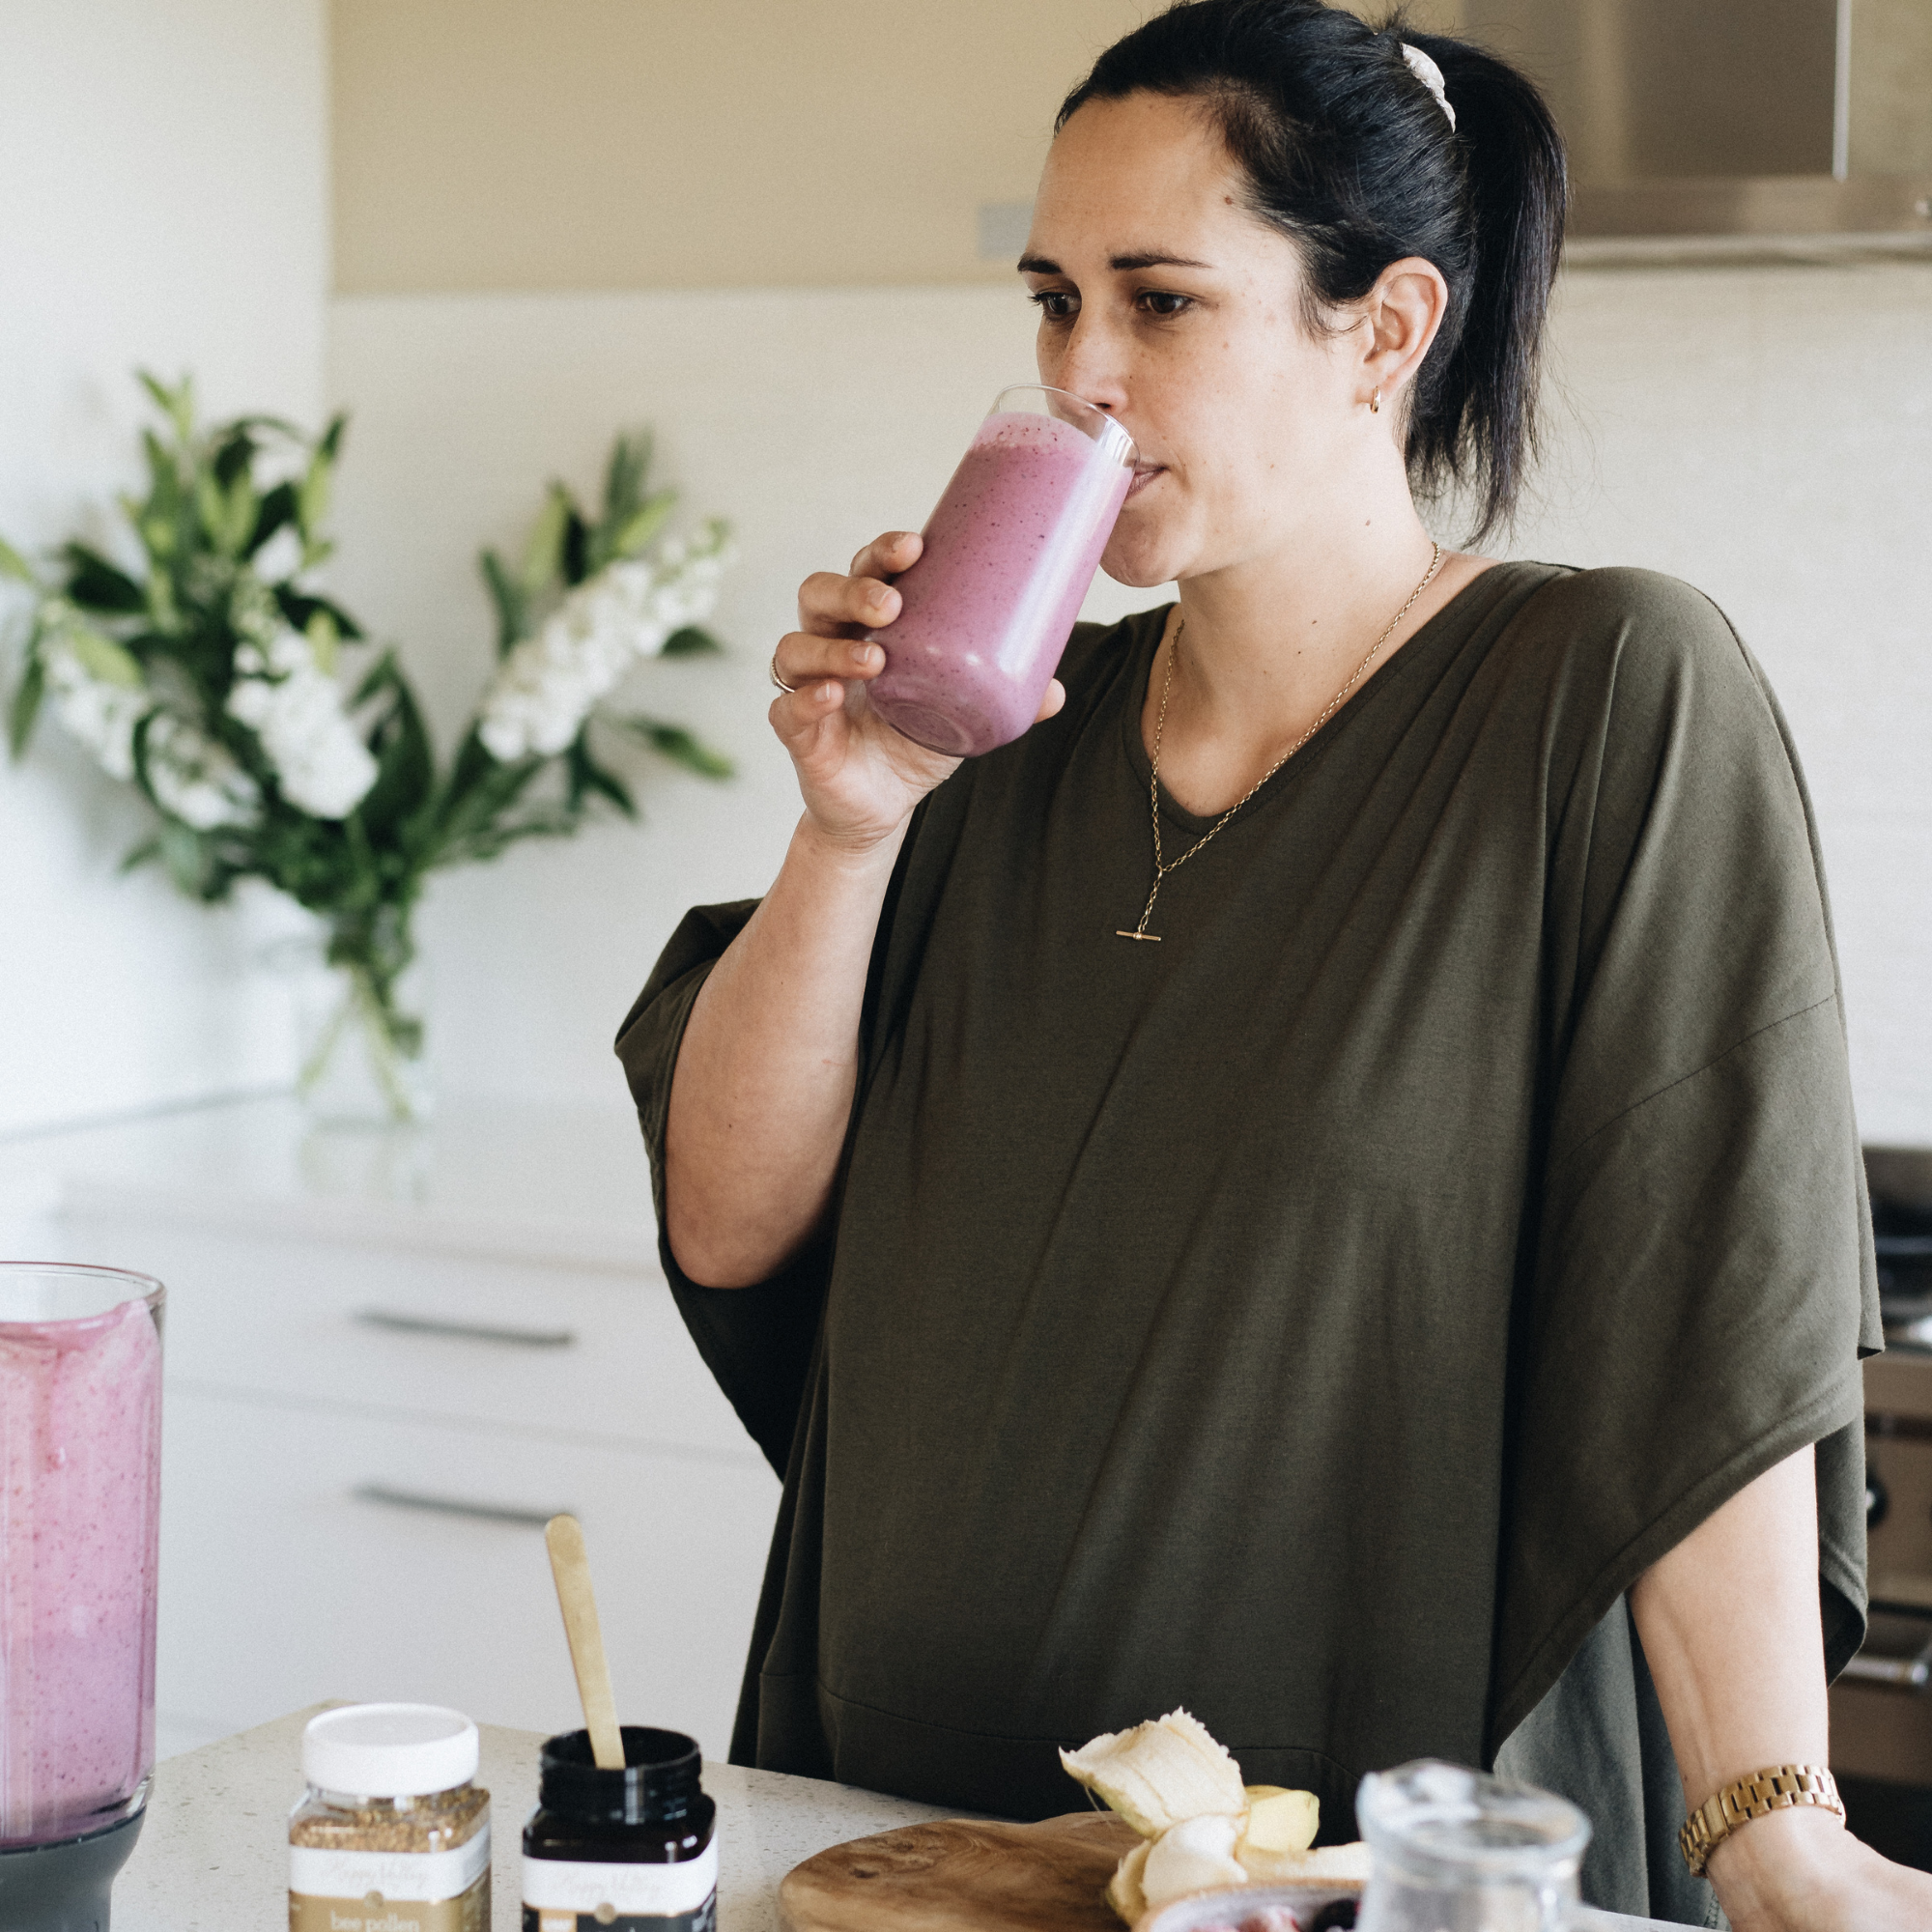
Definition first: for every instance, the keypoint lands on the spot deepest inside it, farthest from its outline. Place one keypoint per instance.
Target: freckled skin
(1025, 518)
(80, 1408)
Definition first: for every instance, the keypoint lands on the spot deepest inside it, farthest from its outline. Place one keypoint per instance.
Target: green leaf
(176, 404)
(12, 564)
(185, 854)
(324, 640)
(228, 514)
(142, 854)
(644, 524)
(297, 607)
(404, 761)
(330, 447)
(543, 550)
(277, 510)
(624, 478)
(100, 657)
(233, 454)
(317, 486)
(97, 584)
(585, 775)
(26, 704)
(576, 554)
(681, 748)
(691, 641)
(512, 607)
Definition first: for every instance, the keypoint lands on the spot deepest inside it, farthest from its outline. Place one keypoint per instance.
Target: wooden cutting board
(961, 1876)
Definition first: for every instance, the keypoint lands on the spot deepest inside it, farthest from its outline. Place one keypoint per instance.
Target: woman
(1416, 1306)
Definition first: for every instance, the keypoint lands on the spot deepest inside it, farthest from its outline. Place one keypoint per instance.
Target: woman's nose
(1091, 367)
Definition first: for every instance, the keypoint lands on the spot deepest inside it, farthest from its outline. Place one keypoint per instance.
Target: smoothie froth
(80, 1411)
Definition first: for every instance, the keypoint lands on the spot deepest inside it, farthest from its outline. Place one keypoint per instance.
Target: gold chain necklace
(1160, 869)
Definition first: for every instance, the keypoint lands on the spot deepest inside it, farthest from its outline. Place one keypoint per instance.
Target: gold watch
(1776, 1789)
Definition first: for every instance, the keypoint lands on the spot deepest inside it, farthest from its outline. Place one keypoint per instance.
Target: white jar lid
(389, 1751)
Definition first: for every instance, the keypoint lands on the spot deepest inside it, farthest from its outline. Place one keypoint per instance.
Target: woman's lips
(1143, 474)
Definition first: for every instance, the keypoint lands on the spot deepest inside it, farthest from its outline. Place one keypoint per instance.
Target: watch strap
(1776, 1789)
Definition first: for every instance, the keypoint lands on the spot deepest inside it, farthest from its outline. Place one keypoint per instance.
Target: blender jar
(80, 1419)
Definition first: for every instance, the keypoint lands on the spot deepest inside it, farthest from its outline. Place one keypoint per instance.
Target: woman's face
(1164, 300)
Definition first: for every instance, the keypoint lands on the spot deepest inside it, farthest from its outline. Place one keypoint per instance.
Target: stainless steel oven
(1881, 1706)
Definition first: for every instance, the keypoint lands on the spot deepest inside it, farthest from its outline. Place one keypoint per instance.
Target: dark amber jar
(635, 1849)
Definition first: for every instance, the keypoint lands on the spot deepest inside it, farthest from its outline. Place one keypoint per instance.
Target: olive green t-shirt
(1321, 1317)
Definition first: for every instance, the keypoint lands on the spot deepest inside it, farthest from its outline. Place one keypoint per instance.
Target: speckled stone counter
(214, 1856)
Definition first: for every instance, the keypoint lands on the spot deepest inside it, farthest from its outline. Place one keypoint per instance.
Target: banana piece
(1345, 1864)
(1195, 1854)
(1124, 1893)
(1160, 1775)
(1280, 1821)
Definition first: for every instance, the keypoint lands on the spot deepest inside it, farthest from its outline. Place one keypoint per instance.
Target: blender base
(63, 1886)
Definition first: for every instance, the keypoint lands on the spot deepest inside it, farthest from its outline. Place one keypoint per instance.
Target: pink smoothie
(81, 1415)
(991, 604)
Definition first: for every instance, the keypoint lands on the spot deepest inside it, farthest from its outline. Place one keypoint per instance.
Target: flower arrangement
(271, 741)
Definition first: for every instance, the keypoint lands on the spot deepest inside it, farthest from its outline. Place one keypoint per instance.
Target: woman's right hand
(860, 778)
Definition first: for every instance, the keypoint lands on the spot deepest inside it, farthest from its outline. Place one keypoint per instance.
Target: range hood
(1752, 121)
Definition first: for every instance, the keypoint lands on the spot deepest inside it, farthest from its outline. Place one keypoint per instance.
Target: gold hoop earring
(1376, 402)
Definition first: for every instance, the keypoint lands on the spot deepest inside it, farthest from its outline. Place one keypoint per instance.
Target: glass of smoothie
(1009, 553)
(80, 1451)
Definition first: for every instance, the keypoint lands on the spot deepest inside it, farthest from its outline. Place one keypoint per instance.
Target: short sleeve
(1699, 1282)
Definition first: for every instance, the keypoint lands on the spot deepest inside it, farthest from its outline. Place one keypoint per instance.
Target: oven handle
(1894, 1673)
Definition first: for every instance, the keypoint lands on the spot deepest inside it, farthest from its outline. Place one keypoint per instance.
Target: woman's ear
(1403, 311)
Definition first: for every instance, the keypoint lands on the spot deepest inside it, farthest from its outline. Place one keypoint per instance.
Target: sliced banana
(1123, 1889)
(1195, 1854)
(1281, 1821)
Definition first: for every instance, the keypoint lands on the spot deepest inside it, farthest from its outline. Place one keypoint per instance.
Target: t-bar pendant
(1152, 938)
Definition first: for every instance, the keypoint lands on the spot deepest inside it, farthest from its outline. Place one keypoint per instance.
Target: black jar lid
(658, 1784)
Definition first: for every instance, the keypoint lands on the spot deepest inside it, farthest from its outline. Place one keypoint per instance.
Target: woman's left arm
(1731, 1630)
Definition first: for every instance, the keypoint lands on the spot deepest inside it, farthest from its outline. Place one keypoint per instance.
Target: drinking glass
(1009, 553)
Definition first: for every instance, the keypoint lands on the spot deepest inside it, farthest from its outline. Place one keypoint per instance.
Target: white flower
(296, 708)
(195, 777)
(98, 689)
(547, 685)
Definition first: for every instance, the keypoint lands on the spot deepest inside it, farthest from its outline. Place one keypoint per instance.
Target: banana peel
(1160, 1774)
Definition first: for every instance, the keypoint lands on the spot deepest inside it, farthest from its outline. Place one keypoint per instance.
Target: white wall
(164, 172)
(813, 418)
(1761, 432)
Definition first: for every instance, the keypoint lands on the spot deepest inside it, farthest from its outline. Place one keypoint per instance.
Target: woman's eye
(1054, 302)
(1163, 303)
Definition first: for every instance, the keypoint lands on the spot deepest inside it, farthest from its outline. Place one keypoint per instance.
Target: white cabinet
(375, 1396)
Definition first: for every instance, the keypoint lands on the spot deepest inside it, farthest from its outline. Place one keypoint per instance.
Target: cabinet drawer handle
(415, 1499)
(466, 1331)
(1896, 1673)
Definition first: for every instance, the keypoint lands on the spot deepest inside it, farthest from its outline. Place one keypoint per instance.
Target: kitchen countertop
(213, 1854)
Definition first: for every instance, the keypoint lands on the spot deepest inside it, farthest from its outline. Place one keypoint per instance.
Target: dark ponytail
(1347, 154)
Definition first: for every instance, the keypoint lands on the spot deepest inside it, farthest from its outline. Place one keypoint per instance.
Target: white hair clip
(1430, 75)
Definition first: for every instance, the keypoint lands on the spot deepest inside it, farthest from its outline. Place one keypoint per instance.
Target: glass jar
(393, 1834)
(1456, 1852)
(636, 1849)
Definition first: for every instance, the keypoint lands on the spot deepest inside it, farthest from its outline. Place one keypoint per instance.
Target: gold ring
(790, 690)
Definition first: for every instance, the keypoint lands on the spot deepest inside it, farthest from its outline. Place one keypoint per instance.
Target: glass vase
(363, 1059)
